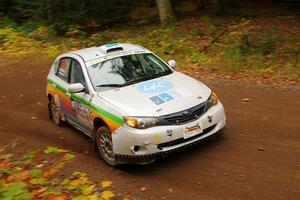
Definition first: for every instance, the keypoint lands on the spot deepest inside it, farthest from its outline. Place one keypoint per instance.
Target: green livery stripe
(90, 105)
(58, 86)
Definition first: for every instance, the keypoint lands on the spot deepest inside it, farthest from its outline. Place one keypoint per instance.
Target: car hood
(156, 97)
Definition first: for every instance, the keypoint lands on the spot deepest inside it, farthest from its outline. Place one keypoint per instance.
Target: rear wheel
(54, 111)
(105, 145)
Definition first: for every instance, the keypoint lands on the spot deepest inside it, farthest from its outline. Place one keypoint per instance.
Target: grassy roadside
(265, 47)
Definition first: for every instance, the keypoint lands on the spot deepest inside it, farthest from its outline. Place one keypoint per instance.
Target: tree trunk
(218, 7)
(200, 4)
(165, 11)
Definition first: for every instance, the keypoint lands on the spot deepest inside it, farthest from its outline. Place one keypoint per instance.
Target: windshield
(126, 70)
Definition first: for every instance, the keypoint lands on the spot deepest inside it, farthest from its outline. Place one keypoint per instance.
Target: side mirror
(172, 63)
(76, 87)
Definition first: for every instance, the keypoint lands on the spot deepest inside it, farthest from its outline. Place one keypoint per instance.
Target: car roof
(91, 53)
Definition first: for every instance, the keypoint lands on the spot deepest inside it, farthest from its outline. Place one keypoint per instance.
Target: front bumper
(145, 145)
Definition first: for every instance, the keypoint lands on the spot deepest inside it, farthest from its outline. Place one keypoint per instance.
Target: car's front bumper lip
(157, 141)
(149, 158)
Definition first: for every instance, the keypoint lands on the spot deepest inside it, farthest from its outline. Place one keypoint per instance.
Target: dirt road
(257, 157)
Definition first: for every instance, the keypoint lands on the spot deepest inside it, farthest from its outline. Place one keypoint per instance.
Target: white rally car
(133, 105)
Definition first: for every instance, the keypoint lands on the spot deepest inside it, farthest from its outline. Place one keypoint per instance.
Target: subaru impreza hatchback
(133, 105)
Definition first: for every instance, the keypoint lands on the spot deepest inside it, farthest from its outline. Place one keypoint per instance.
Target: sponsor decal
(157, 100)
(170, 96)
(92, 110)
(155, 87)
(166, 97)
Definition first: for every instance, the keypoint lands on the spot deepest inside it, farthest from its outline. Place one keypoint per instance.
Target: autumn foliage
(35, 175)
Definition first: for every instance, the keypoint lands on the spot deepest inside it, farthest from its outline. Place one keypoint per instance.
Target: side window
(76, 73)
(64, 68)
(56, 64)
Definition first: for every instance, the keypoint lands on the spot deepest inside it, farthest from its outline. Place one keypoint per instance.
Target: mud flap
(49, 112)
(94, 142)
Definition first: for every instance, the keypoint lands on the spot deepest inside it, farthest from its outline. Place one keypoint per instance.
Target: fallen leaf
(106, 183)
(50, 149)
(92, 197)
(87, 190)
(245, 99)
(143, 188)
(34, 118)
(39, 166)
(14, 145)
(261, 149)
(107, 194)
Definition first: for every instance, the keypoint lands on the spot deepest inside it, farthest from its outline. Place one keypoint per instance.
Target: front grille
(185, 116)
(182, 140)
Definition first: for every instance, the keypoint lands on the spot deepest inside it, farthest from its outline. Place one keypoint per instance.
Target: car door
(81, 100)
(61, 83)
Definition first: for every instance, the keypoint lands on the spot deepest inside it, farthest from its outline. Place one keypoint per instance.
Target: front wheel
(105, 145)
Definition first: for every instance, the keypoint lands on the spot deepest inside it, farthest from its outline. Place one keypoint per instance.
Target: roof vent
(111, 48)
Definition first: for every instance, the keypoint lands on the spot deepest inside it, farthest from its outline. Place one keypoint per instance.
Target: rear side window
(64, 68)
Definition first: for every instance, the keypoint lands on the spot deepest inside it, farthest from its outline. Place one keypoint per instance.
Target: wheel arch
(97, 122)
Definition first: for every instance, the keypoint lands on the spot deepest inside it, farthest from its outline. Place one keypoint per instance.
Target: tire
(54, 112)
(105, 145)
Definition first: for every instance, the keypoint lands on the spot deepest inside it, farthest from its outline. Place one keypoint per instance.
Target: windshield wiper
(111, 85)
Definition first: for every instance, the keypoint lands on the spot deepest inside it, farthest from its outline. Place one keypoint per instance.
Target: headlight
(213, 100)
(141, 122)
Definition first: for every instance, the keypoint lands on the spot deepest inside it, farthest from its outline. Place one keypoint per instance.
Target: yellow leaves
(92, 197)
(107, 194)
(87, 190)
(51, 172)
(105, 184)
(80, 181)
(15, 44)
(50, 149)
(53, 51)
(21, 178)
